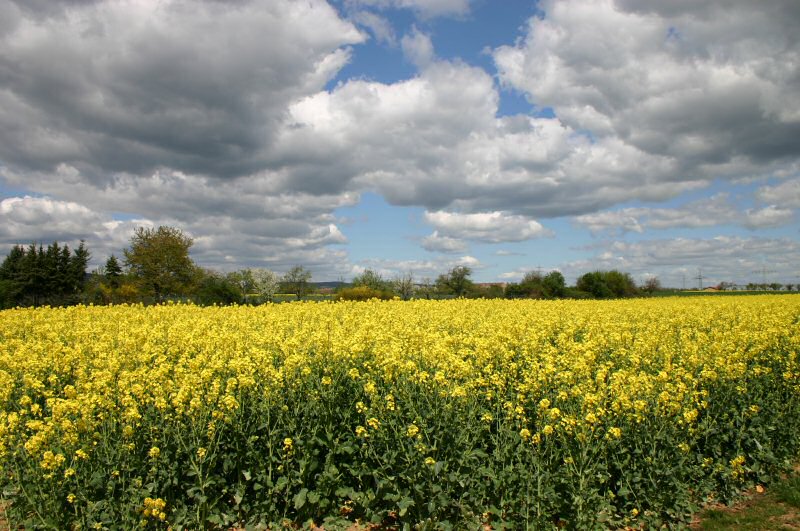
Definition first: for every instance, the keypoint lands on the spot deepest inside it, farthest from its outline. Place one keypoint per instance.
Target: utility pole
(700, 279)
(683, 276)
(764, 272)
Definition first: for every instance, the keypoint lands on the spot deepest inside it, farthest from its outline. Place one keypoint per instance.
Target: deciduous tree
(372, 280)
(296, 281)
(651, 285)
(403, 285)
(265, 283)
(159, 261)
(456, 281)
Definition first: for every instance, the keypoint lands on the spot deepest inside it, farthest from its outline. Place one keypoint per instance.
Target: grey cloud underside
(199, 87)
(108, 91)
(717, 210)
(423, 8)
(701, 85)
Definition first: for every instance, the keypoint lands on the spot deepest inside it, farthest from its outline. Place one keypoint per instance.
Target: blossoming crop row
(436, 413)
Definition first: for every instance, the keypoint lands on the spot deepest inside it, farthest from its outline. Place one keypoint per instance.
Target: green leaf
(404, 504)
(300, 498)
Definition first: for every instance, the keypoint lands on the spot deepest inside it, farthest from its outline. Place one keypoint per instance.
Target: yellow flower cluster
(154, 508)
(584, 370)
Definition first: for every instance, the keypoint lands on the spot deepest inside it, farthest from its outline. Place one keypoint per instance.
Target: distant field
(691, 293)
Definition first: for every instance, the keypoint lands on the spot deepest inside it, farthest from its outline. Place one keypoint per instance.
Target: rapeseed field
(462, 414)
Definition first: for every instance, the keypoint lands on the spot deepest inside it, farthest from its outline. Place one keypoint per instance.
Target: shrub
(363, 293)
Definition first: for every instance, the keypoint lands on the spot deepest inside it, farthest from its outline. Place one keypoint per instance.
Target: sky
(410, 136)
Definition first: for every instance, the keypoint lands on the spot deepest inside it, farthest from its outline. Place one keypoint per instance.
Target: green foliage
(492, 291)
(243, 279)
(455, 282)
(38, 276)
(216, 289)
(363, 293)
(159, 261)
(595, 284)
(607, 284)
(620, 284)
(112, 271)
(372, 280)
(788, 491)
(10, 293)
(554, 285)
(480, 473)
(536, 286)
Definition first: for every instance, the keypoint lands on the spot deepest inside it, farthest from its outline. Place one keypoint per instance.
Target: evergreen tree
(11, 267)
(35, 275)
(11, 286)
(112, 271)
(77, 267)
(52, 286)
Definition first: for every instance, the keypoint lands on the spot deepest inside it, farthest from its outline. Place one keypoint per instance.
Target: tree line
(35, 275)
(156, 267)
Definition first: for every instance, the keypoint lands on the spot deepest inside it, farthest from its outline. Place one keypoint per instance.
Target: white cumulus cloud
(492, 227)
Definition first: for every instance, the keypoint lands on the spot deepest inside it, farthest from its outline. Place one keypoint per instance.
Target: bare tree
(296, 281)
(651, 285)
(425, 288)
(403, 285)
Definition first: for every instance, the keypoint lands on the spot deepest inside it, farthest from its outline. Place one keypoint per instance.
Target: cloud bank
(219, 117)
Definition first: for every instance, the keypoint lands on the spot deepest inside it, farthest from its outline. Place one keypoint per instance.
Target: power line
(699, 278)
(764, 272)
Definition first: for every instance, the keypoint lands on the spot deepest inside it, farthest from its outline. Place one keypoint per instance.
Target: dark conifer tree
(11, 286)
(63, 269)
(113, 271)
(35, 275)
(78, 264)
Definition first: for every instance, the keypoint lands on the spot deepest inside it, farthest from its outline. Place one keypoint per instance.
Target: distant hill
(332, 284)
